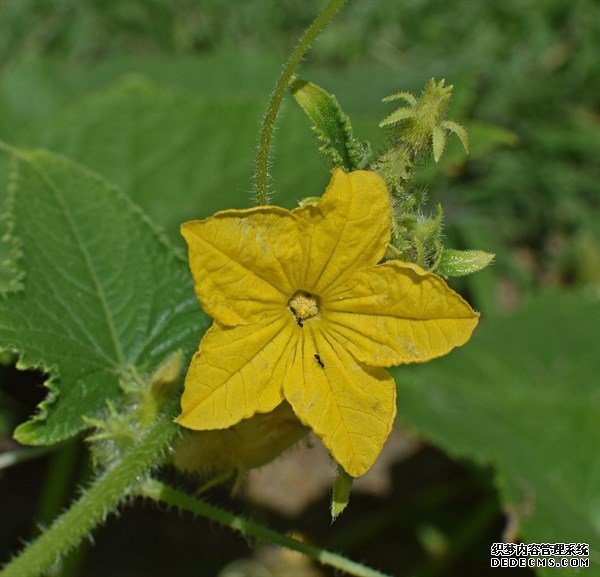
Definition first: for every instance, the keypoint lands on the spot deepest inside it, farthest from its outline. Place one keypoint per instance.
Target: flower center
(303, 306)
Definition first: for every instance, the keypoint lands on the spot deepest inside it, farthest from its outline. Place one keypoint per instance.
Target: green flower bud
(341, 492)
(455, 263)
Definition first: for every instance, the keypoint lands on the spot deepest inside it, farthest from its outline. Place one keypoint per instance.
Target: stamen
(303, 306)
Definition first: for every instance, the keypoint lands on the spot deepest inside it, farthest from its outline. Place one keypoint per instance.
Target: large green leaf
(37, 90)
(164, 148)
(11, 273)
(523, 396)
(103, 292)
(177, 135)
(180, 156)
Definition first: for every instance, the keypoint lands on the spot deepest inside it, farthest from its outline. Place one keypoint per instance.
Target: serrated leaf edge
(53, 371)
(53, 374)
(157, 230)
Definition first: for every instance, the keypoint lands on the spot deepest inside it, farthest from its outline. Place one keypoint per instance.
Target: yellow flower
(303, 311)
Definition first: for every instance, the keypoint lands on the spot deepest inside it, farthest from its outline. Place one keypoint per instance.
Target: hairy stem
(95, 504)
(261, 175)
(162, 493)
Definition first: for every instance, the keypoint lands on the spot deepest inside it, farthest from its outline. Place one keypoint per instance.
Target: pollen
(304, 306)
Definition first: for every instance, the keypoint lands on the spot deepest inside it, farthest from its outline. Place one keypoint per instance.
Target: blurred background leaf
(164, 99)
(520, 398)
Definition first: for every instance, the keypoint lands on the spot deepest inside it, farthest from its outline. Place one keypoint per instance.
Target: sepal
(332, 126)
(340, 496)
(455, 263)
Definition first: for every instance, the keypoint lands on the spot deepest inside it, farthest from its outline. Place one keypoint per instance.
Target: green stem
(261, 175)
(160, 492)
(95, 504)
(74, 561)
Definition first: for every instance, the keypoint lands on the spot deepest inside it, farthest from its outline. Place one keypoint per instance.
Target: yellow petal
(253, 442)
(349, 405)
(238, 371)
(398, 313)
(242, 260)
(348, 229)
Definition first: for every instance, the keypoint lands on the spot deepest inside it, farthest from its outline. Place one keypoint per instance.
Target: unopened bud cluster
(418, 128)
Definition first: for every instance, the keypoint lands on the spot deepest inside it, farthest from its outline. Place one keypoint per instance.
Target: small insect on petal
(318, 359)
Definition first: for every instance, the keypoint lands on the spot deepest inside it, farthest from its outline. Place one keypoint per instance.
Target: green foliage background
(164, 100)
